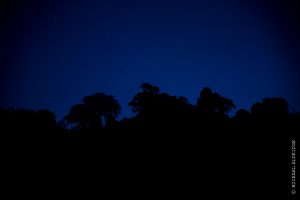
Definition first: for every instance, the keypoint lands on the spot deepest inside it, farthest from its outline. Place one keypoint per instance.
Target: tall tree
(96, 111)
(145, 101)
(155, 109)
(270, 107)
(212, 104)
(271, 112)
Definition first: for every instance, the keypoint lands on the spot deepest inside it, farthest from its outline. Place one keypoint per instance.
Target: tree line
(154, 110)
(167, 138)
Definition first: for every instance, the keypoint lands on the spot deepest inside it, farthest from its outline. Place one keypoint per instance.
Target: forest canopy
(153, 110)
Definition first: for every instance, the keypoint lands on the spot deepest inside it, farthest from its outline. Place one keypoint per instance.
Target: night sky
(55, 52)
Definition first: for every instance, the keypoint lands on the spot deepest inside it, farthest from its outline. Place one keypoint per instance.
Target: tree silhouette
(28, 126)
(271, 113)
(94, 113)
(242, 120)
(270, 107)
(82, 118)
(212, 104)
(197, 139)
(155, 109)
(148, 88)
(145, 101)
(242, 116)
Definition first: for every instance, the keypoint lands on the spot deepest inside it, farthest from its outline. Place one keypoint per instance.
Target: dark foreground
(151, 164)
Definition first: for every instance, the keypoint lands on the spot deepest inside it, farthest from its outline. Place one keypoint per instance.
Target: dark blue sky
(55, 52)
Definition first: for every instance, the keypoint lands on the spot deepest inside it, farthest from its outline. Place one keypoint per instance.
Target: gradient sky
(55, 52)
